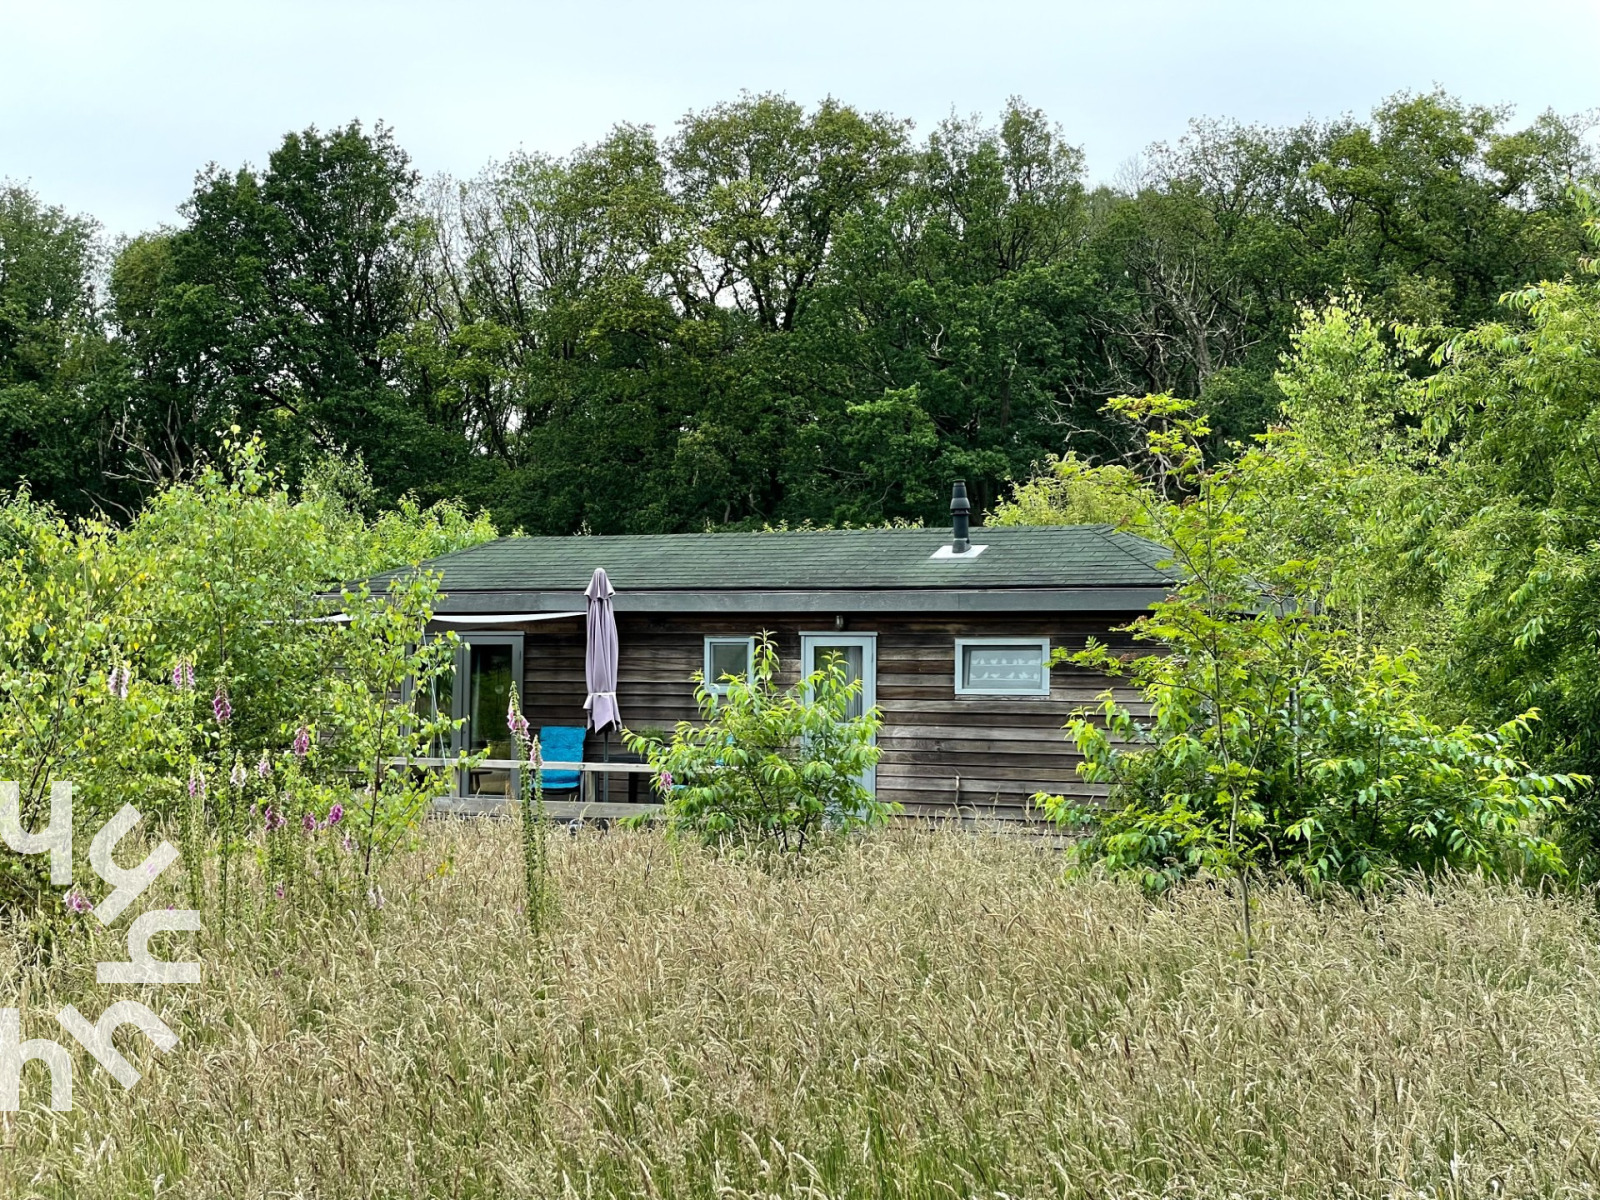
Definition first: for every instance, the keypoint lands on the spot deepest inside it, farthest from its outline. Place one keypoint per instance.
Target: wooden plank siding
(943, 754)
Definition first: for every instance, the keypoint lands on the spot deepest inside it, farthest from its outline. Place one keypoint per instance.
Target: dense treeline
(771, 314)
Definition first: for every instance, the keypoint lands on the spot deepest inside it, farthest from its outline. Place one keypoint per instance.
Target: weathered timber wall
(943, 754)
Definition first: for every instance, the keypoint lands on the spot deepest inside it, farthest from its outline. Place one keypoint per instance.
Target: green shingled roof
(1062, 556)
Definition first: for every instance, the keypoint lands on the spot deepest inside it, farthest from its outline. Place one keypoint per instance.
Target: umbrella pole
(605, 756)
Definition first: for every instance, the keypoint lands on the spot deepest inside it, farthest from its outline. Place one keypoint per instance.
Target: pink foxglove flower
(302, 742)
(183, 675)
(220, 706)
(665, 782)
(77, 902)
(117, 682)
(237, 776)
(308, 823)
(264, 767)
(197, 785)
(278, 891)
(515, 721)
(336, 813)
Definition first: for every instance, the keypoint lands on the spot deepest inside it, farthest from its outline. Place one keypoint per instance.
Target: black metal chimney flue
(960, 506)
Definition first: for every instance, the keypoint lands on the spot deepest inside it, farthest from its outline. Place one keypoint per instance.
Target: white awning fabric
(463, 618)
(499, 618)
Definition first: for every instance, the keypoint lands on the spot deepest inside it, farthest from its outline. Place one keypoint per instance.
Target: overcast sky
(110, 108)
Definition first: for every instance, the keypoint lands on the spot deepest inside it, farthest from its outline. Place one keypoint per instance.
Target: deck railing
(589, 803)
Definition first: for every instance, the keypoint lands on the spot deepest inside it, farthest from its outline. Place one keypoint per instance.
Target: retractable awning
(499, 618)
(462, 618)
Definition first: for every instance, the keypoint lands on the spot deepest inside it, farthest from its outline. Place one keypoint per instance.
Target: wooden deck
(555, 810)
(589, 806)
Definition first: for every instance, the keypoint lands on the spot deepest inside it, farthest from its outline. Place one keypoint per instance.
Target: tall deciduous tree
(277, 306)
(52, 344)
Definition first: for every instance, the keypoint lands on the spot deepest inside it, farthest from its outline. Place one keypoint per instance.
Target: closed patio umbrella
(600, 661)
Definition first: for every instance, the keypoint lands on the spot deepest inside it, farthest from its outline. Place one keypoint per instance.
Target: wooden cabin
(951, 637)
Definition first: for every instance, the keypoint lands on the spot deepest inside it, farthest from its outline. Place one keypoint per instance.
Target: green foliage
(278, 306)
(380, 652)
(1071, 491)
(174, 664)
(53, 350)
(770, 767)
(1512, 540)
(1270, 742)
(1345, 483)
(1438, 481)
(1431, 208)
(771, 313)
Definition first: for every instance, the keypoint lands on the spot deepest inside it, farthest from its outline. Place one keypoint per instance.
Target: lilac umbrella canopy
(600, 658)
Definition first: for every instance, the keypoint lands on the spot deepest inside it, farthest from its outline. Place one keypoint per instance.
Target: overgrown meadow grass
(914, 1014)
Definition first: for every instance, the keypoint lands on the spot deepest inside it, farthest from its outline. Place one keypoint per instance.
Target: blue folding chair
(561, 743)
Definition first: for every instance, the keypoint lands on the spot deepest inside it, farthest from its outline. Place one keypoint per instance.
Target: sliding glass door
(477, 691)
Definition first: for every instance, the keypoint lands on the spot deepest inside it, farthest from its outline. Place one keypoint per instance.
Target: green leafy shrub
(1333, 778)
(1270, 743)
(768, 766)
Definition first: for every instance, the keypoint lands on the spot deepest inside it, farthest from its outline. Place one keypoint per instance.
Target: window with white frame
(1002, 666)
(726, 656)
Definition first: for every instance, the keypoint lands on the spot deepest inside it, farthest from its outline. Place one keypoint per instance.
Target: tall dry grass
(920, 1014)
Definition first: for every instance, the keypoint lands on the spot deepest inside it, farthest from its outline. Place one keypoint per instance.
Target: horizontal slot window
(1002, 666)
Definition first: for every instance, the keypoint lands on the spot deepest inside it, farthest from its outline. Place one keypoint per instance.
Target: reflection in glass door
(477, 691)
(492, 664)
(859, 654)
